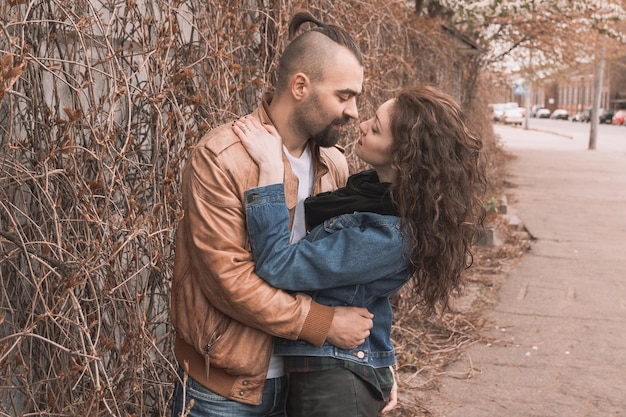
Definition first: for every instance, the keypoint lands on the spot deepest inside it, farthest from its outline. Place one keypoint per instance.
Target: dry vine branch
(100, 102)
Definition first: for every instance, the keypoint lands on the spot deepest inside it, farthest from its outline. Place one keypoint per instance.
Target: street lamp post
(597, 94)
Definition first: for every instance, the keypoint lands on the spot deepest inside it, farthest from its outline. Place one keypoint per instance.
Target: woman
(413, 217)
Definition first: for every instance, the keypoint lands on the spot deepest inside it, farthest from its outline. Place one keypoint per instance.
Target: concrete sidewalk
(560, 320)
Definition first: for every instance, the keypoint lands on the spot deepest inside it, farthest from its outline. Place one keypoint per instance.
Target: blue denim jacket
(353, 259)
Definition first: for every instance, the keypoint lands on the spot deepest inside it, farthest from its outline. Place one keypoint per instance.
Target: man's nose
(351, 110)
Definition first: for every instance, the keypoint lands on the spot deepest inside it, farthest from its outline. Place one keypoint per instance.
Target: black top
(364, 192)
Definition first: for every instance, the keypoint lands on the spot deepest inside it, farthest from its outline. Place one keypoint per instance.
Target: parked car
(579, 117)
(534, 109)
(543, 113)
(604, 115)
(560, 114)
(497, 110)
(512, 117)
(618, 117)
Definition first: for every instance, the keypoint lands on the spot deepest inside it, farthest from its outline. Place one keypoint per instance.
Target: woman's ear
(300, 86)
(394, 165)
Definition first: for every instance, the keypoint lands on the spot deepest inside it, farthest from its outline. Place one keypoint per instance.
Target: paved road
(561, 315)
(610, 137)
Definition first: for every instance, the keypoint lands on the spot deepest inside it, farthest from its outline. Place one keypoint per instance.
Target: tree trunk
(419, 6)
(595, 111)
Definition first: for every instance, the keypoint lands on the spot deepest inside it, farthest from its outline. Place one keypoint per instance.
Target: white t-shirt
(302, 167)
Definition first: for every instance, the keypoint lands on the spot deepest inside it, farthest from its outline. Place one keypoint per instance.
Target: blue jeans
(209, 404)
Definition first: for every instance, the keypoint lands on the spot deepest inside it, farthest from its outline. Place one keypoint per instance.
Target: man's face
(332, 102)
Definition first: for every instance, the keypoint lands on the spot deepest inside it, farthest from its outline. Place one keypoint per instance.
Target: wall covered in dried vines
(100, 102)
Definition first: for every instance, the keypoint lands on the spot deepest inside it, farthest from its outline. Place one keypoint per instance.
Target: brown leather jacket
(225, 315)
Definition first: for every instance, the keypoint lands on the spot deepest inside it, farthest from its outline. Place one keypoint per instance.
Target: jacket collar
(320, 166)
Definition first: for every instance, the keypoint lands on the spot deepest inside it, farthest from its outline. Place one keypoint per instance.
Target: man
(225, 316)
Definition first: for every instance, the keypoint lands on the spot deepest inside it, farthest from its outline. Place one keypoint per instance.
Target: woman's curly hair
(438, 190)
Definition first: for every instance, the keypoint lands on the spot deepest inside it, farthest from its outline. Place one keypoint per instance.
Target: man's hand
(393, 397)
(350, 327)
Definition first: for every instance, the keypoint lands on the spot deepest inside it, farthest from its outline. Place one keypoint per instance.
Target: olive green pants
(334, 392)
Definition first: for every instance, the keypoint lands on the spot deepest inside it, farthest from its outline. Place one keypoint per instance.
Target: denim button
(360, 354)
(241, 393)
(245, 382)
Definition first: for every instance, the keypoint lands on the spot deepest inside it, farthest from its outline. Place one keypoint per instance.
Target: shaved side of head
(312, 51)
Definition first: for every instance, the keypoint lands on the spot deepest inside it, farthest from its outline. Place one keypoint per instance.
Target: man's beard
(330, 136)
(327, 137)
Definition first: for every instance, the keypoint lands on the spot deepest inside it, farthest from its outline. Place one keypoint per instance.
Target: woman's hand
(393, 397)
(265, 147)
